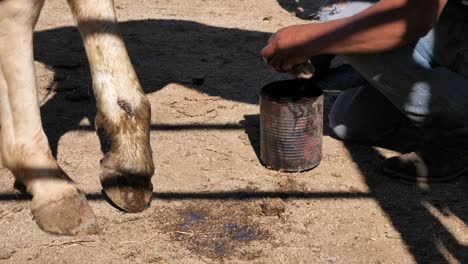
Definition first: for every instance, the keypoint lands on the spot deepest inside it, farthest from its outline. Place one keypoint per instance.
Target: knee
(362, 114)
(349, 129)
(333, 10)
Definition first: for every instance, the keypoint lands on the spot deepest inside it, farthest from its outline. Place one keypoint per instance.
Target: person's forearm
(386, 25)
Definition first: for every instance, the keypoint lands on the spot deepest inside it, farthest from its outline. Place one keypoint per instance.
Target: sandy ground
(214, 202)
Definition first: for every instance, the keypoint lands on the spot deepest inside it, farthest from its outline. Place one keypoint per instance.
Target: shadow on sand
(171, 51)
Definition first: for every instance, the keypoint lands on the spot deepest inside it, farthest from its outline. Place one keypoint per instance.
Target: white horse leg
(58, 206)
(123, 111)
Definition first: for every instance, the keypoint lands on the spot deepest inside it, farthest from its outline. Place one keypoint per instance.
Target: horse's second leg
(58, 206)
(123, 111)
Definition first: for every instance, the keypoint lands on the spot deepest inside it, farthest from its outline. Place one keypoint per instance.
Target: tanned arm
(386, 25)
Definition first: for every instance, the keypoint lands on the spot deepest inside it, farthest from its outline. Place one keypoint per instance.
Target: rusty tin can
(291, 125)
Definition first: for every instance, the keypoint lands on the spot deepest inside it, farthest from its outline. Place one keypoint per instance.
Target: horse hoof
(69, 216)
(129, 192)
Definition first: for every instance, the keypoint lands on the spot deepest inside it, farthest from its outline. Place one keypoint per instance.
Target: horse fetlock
(17, 155)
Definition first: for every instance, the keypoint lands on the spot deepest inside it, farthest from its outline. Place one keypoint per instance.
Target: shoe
(429, 164)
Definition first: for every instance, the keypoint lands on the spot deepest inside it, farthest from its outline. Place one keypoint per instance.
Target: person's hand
(287, 48)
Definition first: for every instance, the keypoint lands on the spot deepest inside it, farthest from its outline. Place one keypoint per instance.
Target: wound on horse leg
(125, 105)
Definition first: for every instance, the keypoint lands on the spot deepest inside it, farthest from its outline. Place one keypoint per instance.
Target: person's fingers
(287, 66)
(277, 63)
(268, 52)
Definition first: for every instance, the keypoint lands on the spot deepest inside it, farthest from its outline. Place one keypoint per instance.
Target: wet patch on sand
(217, 229)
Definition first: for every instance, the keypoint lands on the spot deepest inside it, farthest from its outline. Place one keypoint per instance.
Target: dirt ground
(199, 64)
